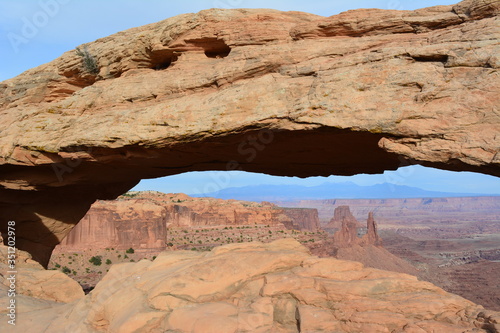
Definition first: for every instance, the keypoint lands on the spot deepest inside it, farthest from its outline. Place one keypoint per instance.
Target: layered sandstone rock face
(141, 220)
(35, 287)
(254, 287)
(120, 224)
(258, 90)
(302, 219)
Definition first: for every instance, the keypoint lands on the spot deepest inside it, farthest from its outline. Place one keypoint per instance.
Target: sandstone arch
(282, 93)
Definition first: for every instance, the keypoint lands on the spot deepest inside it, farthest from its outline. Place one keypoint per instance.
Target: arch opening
(86, 174)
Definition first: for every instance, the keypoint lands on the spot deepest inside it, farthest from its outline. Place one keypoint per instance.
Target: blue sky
(33, 32)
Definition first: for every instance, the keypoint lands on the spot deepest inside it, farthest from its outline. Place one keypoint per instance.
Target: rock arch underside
(282, 93)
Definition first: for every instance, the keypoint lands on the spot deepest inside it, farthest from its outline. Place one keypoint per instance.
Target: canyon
(141, 220)
(252, 89)
(282, 93)
(152, 222)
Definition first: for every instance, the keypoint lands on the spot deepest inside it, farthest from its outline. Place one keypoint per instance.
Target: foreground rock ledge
(255, 287)
(284, 93)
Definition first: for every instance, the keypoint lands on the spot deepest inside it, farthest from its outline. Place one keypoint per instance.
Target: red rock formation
(372, 236)
(341, 215)
(368, 249)
(410, 210)
(374, 88)
(121, 224)
(255, 287)
(302, 219)
(142, 221)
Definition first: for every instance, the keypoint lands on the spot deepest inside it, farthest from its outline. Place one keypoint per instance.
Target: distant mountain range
(347, 190)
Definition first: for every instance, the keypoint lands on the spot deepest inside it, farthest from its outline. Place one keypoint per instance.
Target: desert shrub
(170, 244)
(96, 260)
(66, 270)
(57, 266)
(108, 262)
(131, 250)
(89, 62)
(125, 257)
(154, 257)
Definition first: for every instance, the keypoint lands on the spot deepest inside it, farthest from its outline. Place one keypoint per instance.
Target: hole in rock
(213, 47)
(163, 59)
(431, 58)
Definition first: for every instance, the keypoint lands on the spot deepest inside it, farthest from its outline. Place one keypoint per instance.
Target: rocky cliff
(302, 219)
(362, 244)
(342, 218)
(120, 224)
(141, 220)
(255, 287)
(258, 90)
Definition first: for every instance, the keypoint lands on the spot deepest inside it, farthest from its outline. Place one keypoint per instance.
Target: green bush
(96, 260)
(66, 270)
(131, 250)
(108, 262)
(89, 62)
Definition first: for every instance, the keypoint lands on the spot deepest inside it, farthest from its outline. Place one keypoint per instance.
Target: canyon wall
(302, 219)
(282, 93)
(119, 224)
(141, 220)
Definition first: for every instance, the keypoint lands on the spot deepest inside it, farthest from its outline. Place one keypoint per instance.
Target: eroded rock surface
(284, 93)
(141, 220)
(255, 287)
(35, 287)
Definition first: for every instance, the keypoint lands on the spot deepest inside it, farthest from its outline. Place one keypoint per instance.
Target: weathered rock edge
(255, 287)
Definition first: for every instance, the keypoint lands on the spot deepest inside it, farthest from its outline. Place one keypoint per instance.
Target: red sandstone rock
(142, 221)
(284, 93)
(372, 236)
(342, 215)
(302, 219)
(254, 287)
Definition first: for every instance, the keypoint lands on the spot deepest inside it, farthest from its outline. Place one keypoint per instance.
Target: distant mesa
(142, 219)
